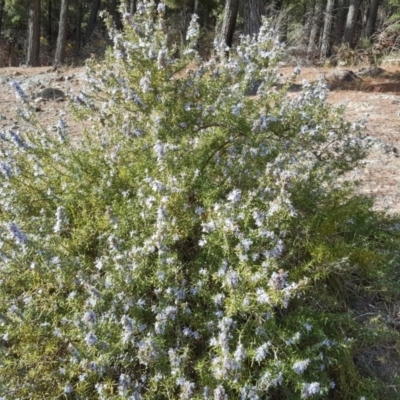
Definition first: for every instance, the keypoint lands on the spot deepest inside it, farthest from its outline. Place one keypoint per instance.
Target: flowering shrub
(195, 242)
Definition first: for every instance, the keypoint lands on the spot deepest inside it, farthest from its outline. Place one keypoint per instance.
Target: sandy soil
(378, 97)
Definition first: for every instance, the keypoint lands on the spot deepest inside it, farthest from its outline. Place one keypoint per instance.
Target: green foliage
(176, 3)
(15, 13)
(194, 241)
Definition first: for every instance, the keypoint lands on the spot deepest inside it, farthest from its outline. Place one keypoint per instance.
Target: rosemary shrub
(193, 242)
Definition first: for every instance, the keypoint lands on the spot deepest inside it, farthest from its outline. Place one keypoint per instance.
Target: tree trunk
(252, 12)
(114, 11)
(200, 10)
(92, 19)
(307, 23)
(225, 34)
(196, 7)
(62, 34)
(351, 22)
(364, 11)
(273, 11)
(312, 49)
(32, 57)
(305, 19)
(339, 21)
(78, 28)
(132, 8)
(326, 34)
(273, 8)
(372, 17)
(1, 13)
(283, 28)
(49, 25)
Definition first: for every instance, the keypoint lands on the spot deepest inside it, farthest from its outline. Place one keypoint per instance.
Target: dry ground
(378, 97)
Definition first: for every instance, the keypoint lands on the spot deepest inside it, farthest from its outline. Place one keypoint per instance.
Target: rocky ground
(375, 96)
(35, 82)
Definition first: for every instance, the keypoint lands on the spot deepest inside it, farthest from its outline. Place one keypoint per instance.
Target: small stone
(253, 88)
(370, 71)
(51, 94)
(341, 75)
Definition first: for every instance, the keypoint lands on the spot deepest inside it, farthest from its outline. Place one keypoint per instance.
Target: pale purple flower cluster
(262, 351)
(61, 219)
(193, 29)
(16, 139)
(91, 339)
(300, 366)
(16, 234)
(19, 92)
(310, 389)
(6, 170)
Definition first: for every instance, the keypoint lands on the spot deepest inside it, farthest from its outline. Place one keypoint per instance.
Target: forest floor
(379, 98)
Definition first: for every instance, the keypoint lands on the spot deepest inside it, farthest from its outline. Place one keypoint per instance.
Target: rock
(51, 94)
(371, 71)
(298, 51)
(341, 75)
(389, 149)
(280, 82)
(253, 87)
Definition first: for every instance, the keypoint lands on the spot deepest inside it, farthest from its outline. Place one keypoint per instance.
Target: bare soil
(33, 80)
(379, 98)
